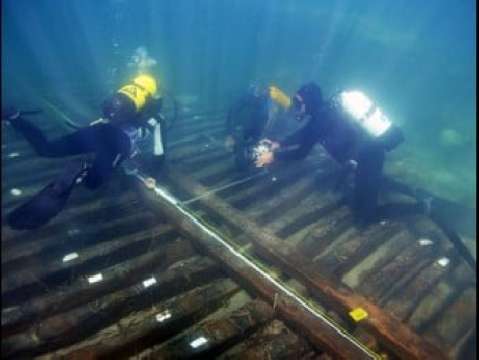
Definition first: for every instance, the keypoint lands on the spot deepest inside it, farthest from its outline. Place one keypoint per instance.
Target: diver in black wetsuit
(128, 115)
(254, 116)
(353, 131)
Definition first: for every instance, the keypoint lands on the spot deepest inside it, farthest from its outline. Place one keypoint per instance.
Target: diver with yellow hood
(128, 115)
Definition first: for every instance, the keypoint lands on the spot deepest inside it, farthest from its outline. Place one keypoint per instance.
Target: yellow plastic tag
(136, 94)
(358, 314)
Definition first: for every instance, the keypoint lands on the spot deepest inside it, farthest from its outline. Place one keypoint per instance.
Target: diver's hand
(10, 113)
(229, 142)
(264, 159)
(150, 183)
(274, 145)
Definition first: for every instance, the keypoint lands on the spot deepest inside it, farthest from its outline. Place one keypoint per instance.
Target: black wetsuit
(109, 143)
(245, 122)
(344, 141)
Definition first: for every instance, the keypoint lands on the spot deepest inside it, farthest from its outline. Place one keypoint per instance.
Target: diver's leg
(33, 135)
(72, 144)
(113, 148)
(81, 141)
(102, 168)
(48, 202)
(367, 183)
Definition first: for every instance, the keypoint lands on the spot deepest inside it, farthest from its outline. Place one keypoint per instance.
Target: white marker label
(165, 315)
(443, 261)
(16, 192)
(425, 242)
(70, 257)
(95, 278)
(149, 282)
(198, 342)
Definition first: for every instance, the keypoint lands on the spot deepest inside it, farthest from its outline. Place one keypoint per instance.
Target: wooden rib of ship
(167, 291)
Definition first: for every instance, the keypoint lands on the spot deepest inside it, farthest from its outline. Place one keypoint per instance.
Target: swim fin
(47, 203)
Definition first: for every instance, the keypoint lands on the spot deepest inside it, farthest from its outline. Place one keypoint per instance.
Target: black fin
(46, 204)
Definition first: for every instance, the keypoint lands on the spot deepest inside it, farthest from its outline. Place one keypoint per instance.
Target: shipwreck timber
(261, 266)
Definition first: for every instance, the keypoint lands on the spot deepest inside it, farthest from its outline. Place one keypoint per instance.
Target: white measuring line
(285, 290)
(227, 186)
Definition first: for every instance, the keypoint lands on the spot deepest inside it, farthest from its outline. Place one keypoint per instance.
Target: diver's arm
(297, 145)
(296, 153)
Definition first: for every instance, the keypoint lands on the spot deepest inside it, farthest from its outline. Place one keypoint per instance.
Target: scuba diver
(257, 114)
(352, 129)
(130, 115)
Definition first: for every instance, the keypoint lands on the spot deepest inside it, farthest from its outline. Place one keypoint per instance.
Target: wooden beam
(273, 341)
(397, 337)
(149, 327)
(72, 326)
(227, 330)
(80, 291)
(317, 328)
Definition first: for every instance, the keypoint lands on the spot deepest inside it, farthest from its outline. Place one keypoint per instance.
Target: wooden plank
(334, 218)
(273, 341)
(406, 299)
(410, 262)
(20, 285)
(217, 333)
(374, 262)
(72, 326)
(203, 161)
(321, 333)
(222, 174)
(80, 291)
(364, 243)
(142, 329)
(22, 244)
(74, 239)
(441, 296)
(267, 189)
(287, 197)
(391, 333)
(294, 198)
(199, 149)
(456, 320)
